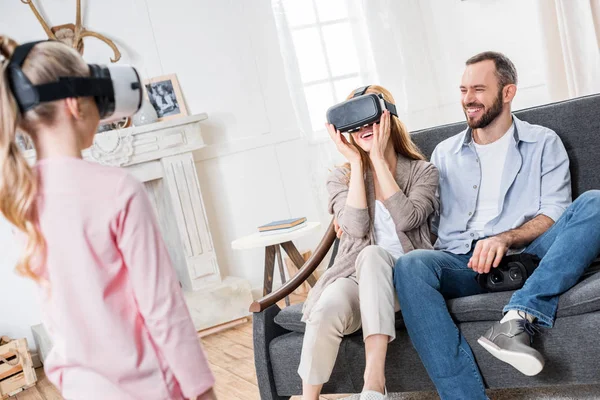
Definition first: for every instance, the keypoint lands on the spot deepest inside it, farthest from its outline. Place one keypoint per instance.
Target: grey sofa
(571, 348)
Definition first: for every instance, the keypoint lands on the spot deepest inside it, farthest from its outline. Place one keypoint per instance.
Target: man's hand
(488, 253)
(338, 230)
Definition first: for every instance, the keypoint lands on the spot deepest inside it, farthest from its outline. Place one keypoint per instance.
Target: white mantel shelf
(136, 145)
(161, 156)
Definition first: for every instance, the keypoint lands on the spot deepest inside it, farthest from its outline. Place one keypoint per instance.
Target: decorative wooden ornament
(72, 34)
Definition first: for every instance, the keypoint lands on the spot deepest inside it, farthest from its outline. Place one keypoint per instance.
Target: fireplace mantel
(161, 156)
(140, 148)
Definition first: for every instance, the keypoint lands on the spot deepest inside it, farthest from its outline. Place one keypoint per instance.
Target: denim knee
(590, 200)
(412, 266)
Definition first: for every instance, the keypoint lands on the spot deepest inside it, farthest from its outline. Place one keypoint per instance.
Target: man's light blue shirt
(536, 180)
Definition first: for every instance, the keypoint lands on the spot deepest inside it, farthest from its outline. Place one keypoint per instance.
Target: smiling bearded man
(504, 185)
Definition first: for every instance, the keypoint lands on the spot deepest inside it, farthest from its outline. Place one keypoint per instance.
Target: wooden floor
(43, 390)
(231, 358)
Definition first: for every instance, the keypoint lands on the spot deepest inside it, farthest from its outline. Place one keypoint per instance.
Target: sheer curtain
(326, 54)
(415, 48)
(572, 41)
(404, 57)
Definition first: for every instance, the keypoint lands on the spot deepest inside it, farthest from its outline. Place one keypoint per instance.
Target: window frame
(365, 72)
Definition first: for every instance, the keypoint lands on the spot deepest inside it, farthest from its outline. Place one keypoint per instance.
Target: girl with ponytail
(112, 302)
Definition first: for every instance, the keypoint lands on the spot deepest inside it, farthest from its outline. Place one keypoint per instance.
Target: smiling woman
(382, 200)
(398, 136)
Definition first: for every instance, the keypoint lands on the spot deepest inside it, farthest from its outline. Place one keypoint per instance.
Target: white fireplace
(161, 156)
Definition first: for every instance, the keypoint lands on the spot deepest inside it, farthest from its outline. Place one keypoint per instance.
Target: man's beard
(488, 117)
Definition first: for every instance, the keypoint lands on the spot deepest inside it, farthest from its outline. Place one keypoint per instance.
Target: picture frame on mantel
(164, 93)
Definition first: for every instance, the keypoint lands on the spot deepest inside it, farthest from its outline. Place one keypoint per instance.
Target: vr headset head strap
(29, 96)
(74, 87)
(360, 91)
(21, 52)
(391, 108)
(21, 87)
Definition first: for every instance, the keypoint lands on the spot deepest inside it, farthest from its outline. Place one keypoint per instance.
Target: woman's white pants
(367, 300)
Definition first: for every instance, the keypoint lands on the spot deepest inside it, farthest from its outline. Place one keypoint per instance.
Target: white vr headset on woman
(117, 89)
(360, 110)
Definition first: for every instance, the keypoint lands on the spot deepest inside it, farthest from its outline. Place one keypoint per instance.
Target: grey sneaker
(511, 342)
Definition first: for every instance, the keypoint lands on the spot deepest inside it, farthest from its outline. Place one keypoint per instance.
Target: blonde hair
(18, 183)
(399, 135)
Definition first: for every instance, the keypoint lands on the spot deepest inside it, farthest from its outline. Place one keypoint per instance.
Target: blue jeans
(424, 279)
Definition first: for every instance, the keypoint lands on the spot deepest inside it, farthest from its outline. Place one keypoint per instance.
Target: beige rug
(583, 392)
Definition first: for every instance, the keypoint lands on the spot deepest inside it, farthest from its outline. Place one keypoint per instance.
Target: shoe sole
(374, 396)
(524, 363)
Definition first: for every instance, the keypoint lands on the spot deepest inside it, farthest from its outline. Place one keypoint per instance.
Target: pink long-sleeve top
(113, 304)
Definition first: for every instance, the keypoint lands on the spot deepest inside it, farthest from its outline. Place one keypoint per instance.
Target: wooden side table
(272, 244)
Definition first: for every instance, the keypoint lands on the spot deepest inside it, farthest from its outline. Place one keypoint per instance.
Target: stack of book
(284, 226)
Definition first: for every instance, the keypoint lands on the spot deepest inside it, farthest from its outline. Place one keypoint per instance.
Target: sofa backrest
(576, 121)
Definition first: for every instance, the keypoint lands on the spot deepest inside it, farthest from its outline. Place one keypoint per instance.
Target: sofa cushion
(290, 318)
(570, 349)
(581, 299)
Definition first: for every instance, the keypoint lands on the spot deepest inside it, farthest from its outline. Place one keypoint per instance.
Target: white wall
(258, 165)
(19, 303)
(459, 30)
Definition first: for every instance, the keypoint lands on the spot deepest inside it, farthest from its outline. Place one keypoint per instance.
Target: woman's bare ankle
(311, 392)
(374, 382)
(375, 349)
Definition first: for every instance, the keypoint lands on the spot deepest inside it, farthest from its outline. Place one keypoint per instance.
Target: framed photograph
(165, 96)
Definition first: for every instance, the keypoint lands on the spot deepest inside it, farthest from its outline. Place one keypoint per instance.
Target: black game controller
(511, 274)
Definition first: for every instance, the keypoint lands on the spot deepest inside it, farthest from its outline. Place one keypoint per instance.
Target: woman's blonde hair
(399, 135)
(18, 184)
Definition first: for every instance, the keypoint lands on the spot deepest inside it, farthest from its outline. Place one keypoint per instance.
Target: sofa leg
(264, 331)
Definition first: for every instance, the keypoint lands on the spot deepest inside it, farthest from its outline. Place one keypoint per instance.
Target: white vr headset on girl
(117, 89)
(361, 110)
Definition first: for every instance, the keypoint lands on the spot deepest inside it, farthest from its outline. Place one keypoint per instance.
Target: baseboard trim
(222, 327)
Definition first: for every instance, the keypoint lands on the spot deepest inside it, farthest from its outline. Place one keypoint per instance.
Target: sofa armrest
(264, 330)
(307, 269)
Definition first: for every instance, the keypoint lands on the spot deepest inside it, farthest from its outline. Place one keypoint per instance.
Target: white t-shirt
(385, 231)
(492, 158)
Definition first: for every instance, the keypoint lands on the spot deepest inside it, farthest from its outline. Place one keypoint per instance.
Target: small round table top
(258, 240)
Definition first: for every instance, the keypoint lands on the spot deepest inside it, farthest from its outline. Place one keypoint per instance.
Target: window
(326, 55)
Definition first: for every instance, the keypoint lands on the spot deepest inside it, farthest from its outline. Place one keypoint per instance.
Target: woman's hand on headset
(381, 136)
(347, 149)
